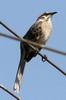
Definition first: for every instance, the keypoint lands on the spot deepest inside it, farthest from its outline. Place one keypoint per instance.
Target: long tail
(19, 72)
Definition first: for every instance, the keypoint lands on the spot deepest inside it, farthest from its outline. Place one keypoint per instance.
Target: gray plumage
(39, 32)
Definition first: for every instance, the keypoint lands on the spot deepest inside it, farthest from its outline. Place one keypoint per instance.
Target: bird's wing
(33, 32)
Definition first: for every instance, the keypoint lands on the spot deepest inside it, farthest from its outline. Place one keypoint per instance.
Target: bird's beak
(53, 13)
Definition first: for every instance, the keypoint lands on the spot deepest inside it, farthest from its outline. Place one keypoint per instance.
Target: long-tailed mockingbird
(39, 32)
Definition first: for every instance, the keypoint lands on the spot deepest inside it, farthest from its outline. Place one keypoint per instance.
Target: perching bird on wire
(39, 32)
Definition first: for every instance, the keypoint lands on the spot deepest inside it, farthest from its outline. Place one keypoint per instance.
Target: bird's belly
(42, 39)
(46, 35)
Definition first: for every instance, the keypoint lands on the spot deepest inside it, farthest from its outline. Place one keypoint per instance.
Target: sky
(41, 81)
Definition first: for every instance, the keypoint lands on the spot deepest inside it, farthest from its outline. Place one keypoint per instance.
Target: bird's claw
(44, 58)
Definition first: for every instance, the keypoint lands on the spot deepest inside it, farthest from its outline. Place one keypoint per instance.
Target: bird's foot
(44, 58)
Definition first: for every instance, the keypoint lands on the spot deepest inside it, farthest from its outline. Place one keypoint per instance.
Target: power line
(43, 56)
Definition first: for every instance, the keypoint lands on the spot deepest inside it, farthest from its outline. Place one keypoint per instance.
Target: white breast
(47, 29)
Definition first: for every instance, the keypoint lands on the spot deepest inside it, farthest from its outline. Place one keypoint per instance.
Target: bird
(39, 32)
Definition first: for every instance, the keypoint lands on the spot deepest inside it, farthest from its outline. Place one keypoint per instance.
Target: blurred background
(41, 81)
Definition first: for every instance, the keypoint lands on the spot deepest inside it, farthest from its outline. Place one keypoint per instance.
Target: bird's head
(46, 16)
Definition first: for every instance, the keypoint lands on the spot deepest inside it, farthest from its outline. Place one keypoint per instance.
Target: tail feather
(19, 73)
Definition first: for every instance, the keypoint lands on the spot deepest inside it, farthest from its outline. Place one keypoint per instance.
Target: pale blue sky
(40, 81)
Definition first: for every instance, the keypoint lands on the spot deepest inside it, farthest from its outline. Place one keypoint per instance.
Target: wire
(43, 57)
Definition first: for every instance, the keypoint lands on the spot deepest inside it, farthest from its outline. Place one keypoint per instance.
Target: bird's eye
(43, 17)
